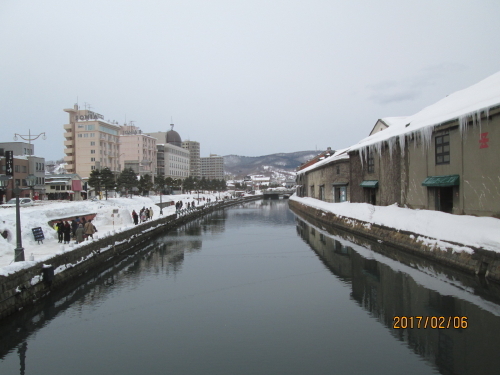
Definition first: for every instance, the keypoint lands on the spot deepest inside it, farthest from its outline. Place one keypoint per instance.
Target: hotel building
(90, 143)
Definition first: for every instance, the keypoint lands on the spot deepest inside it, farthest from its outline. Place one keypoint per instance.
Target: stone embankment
(26, 287)
(481, 262)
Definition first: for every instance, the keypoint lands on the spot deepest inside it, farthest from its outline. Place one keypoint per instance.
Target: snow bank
(43, 212)
(480, 232)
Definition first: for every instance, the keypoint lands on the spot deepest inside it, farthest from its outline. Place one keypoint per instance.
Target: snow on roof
(461, 105)
(338, 155)
(390, 121)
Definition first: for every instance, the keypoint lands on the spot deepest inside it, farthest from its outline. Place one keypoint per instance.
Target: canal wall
(480, 262)
(27, 286)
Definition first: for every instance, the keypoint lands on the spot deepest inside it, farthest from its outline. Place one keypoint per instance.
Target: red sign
(483, 141)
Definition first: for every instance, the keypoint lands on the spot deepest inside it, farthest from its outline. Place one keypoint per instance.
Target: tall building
(172, 159)
(194, 157)
(34, 165)
(137, 150)
(212, 167)
(91, 142)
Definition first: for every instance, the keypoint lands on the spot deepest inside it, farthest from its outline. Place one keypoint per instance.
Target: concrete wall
(481, 262)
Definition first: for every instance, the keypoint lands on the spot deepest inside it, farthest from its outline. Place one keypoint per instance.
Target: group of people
(79, 230)
(145, 214)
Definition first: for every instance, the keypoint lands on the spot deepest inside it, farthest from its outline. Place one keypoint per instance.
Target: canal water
(256, 289)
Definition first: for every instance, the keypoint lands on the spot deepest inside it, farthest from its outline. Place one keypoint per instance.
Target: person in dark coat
(135, 217)
(74, 226)
(60, 231)
(67, 232)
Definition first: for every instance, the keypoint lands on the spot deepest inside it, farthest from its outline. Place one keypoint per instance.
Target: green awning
(442, 181)
(372, 184)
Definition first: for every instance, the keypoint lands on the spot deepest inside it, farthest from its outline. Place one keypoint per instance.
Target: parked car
(23, 202)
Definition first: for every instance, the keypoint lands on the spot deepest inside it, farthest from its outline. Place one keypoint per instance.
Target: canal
(257, 289)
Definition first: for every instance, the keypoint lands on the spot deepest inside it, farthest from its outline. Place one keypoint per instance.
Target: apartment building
(137, 150)
(194, 157)
(90, 142)
(212, 167)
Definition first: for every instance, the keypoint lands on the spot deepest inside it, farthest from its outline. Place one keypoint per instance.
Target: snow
(463, 105)
(42, 212)
(433, 227)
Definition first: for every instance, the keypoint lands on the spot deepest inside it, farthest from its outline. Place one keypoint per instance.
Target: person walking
(89, 229)
(74, 226)
(150, 213)
(60, 231)
(79, 233)
(135, 217)
(67, 232)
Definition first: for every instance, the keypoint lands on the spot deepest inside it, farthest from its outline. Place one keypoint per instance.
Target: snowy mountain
(277, 166)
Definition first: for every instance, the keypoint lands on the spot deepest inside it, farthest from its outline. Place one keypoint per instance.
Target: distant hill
(278, 166)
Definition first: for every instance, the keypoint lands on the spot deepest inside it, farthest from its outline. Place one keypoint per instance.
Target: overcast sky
(240, 77)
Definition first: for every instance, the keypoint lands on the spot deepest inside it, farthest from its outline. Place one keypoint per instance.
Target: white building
(212, 167)
(172, 159)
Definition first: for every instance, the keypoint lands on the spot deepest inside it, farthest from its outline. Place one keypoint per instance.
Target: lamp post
(30, 181)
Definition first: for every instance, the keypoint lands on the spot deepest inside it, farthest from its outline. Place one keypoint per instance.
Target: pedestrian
(89, 229)
(150, 213)
(67, 232)
(79, 233)
(60, 231)
(74, 226)
(143, 216)
(135, 217)
(146, 213)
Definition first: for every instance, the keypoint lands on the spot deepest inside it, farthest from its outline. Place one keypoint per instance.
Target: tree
(169, 181)
(159, 184)
(107, 180)
(95, 180)
(127, 180)
(145, 184)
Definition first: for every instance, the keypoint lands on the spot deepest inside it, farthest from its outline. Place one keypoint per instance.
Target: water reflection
(161, 256)
(398, 284)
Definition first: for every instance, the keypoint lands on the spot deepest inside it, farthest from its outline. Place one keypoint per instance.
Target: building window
(371, 163)
(80, 135)
(92, 159)
(92, 151)
(16, 168)
(322, 192)
(338, 169)
(311, 191)
(443, 148)
(92, 167)
(92, 143)
(24, 169)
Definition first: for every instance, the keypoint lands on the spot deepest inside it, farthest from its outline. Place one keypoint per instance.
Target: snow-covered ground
(40, 214)
(433, 227)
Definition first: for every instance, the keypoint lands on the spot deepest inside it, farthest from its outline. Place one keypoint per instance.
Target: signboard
(38, 234)
(9, 163)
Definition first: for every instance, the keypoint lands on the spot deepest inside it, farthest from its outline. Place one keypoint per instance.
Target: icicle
(402, 144)
(390, 144)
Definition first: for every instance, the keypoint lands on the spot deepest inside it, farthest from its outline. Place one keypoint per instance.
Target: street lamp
(30, 181)
(163, 186)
